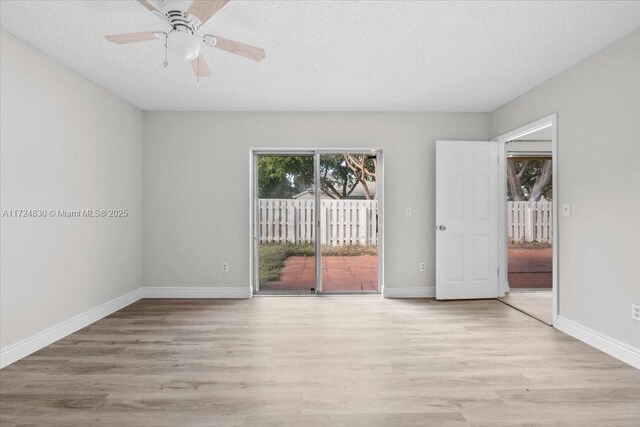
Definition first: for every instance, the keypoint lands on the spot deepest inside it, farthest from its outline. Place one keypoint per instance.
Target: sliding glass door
(285, 215)
(316, 222)
(349, 222)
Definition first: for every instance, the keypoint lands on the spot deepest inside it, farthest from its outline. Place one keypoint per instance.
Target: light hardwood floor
(319, 361)
(538, 304)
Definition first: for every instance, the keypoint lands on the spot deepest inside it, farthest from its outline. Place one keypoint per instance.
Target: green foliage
(336, 179)
(281, 177)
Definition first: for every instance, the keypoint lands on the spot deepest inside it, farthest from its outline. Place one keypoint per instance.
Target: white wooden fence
(342, 222)
(530, 221)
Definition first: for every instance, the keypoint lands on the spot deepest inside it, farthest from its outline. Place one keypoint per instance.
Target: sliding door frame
(254, 226)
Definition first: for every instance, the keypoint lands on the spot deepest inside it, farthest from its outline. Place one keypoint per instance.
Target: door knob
(441, 227)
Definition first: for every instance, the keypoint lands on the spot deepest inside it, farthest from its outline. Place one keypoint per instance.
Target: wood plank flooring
(538, 304)
(314, 361)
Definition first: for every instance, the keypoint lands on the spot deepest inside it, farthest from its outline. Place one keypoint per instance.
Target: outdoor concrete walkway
(339, 273)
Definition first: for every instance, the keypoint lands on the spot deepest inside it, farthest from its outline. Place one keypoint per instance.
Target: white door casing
(467, 218)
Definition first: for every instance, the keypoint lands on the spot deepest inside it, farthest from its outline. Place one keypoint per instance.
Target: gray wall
(66, 143)
(598, 106)
(196, 186)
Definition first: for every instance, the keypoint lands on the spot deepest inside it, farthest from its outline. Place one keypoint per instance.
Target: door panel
(348, 222)
(466, 219)
(285, 224)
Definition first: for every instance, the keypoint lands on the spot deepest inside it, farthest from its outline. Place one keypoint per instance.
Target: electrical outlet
(422, 266)
(225, 267)
(635, 312)
(566, 209)
(407, 211)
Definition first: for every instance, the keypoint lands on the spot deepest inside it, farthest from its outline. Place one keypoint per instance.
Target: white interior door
(467, 211)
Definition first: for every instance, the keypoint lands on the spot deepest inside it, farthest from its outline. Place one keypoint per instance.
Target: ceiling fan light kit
(185, 18)
(184, 45)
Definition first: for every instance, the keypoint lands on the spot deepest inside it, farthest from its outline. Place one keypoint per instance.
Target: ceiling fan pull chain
(166, 59)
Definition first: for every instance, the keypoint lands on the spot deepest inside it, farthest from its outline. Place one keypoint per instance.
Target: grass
(529, 245)
(273, 256)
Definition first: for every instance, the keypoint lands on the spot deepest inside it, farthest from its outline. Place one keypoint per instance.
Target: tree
(281, 177)
(529, 179)
(544, 180)
(340, 174)
(365, 168)
(336, 179)
(513, 179)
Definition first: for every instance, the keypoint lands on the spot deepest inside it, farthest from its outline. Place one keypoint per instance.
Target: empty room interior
(319, 213)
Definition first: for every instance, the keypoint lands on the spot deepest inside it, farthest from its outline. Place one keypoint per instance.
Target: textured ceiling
(331, 56)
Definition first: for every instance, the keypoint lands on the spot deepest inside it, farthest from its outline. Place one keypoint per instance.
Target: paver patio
(339, 273)
(530, 267)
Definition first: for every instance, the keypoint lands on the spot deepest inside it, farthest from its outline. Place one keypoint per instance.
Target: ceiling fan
(185, 18)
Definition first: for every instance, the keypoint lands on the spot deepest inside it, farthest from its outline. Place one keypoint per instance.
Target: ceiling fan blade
(153, 9)
(131, 37)
(205, 9)
(200, 67)
(146, 4)
(241, 49)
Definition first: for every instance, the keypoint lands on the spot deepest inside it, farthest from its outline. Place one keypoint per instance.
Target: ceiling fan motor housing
(183, 40)
(182, 21)
(175, 12)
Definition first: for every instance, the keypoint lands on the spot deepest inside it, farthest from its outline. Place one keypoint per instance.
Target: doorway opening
(316, 221)
(528, 212)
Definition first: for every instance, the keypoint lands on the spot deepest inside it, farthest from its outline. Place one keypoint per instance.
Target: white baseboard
(17, 351)
(611, 346)
(409, 291)
(196, 292)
